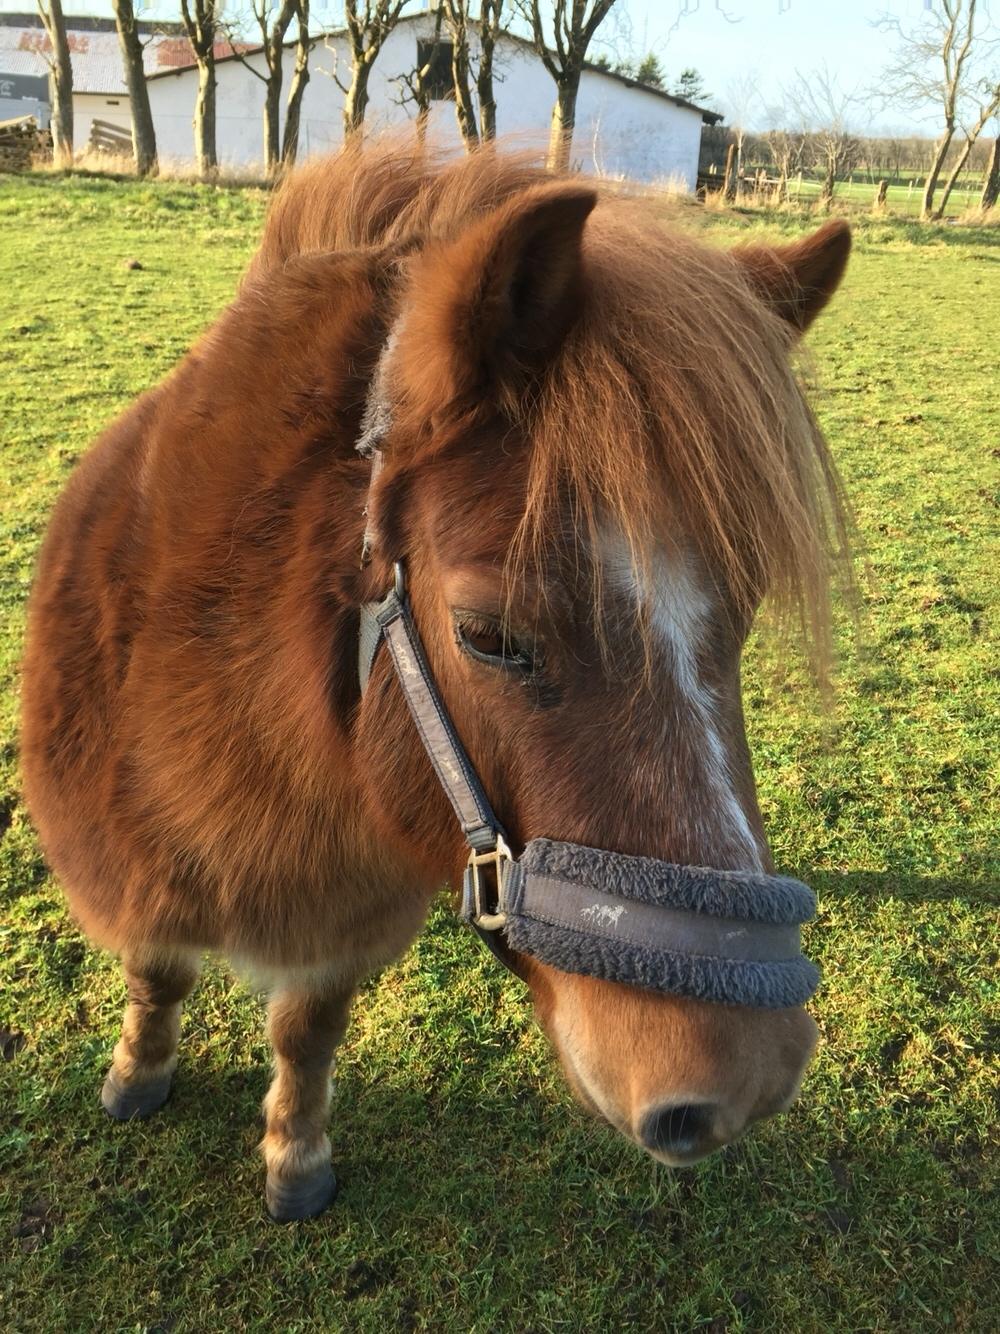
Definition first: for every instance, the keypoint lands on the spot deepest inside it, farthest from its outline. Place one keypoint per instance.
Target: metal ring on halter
(498, 858)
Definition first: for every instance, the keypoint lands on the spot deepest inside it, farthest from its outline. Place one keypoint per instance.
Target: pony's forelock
(675, 415)
(673, 408)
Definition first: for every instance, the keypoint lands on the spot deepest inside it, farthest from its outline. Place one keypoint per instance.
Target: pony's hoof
(124, 1102)
(288, 1201)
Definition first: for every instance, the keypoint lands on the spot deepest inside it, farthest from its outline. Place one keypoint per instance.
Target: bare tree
(61, 81)
(742, 102)
(490, 28)
(987, 110)
(416, 86)
(784, 142)
(457, 12)
(201, 23)
(786, 149)
(300, 78)
(936, 61)
(826, 111)
(273, 24)
(574, 23)
(369, 23)
(143, 132)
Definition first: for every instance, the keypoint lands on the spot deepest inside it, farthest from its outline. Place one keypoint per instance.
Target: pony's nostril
(681, 1130)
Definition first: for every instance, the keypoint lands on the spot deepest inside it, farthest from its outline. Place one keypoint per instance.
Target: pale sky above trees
(771, 39)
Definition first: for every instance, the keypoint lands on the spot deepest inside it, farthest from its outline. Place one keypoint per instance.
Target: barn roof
(709, 117)
(94, 52)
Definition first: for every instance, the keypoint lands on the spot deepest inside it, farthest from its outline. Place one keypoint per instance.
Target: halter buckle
(478, 889)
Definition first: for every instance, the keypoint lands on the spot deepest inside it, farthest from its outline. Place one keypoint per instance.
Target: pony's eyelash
(479, 625)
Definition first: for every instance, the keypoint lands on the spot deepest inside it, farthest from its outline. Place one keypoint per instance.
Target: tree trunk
(300, 77)
(356, 101)
(61, 85)
(930, 185)
(272, 121)
(272, 99)
(829, 182)
(949, 184)
(204, 116)
(991, 186)
(464, 110)
(563, 122)
(487, 106)
(143, 132)
(488, 24)
(729, 176)
(200, 27)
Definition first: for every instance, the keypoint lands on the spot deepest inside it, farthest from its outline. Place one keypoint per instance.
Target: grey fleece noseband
(725, 936)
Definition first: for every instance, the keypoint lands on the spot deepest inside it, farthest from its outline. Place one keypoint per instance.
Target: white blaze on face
(679, 611)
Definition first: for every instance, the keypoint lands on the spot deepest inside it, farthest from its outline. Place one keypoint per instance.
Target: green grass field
(474, 1195)
(901, 200)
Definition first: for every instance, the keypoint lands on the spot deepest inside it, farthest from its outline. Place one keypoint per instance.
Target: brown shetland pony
(599, 457)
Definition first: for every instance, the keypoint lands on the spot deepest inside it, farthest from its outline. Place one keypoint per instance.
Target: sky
(764, 42)
(759, 43)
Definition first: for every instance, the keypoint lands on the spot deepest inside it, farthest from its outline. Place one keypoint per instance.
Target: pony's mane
(674, 399)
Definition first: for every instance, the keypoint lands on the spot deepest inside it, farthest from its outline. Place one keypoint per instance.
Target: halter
(725, 936)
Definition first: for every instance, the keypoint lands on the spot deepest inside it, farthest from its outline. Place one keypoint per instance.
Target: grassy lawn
(901, 199)
(474, 1195)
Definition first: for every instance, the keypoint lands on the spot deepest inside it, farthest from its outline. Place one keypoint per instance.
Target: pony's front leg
(305, 1027)
(142, 1068)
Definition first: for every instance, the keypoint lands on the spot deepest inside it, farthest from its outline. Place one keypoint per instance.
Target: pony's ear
(484, 311)
(798, 280)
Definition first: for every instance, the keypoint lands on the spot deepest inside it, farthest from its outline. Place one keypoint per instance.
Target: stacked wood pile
(108, 138)
(22, 143)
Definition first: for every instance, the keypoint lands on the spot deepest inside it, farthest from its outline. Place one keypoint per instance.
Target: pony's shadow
(408, 1156)
(473, 1140)
(954, 235)
(534, 1165)
(469, 1138)
(975, 882)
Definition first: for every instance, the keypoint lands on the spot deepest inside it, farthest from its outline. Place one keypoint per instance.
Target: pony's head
(600, 462)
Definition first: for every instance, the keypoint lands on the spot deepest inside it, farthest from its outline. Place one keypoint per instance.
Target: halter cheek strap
(390, 620)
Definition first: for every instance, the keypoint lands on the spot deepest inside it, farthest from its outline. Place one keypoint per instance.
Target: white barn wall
(620, 130)
(113, 108)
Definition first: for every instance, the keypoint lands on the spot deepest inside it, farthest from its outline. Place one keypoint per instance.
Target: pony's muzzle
(679, 1133)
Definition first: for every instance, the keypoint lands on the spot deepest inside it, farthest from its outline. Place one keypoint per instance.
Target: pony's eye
(489, 642)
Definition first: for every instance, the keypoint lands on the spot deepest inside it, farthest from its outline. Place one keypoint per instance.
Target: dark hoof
(124, 1102)
(288, 1201)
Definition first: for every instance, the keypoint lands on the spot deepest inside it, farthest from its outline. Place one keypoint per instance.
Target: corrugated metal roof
(95, 56)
